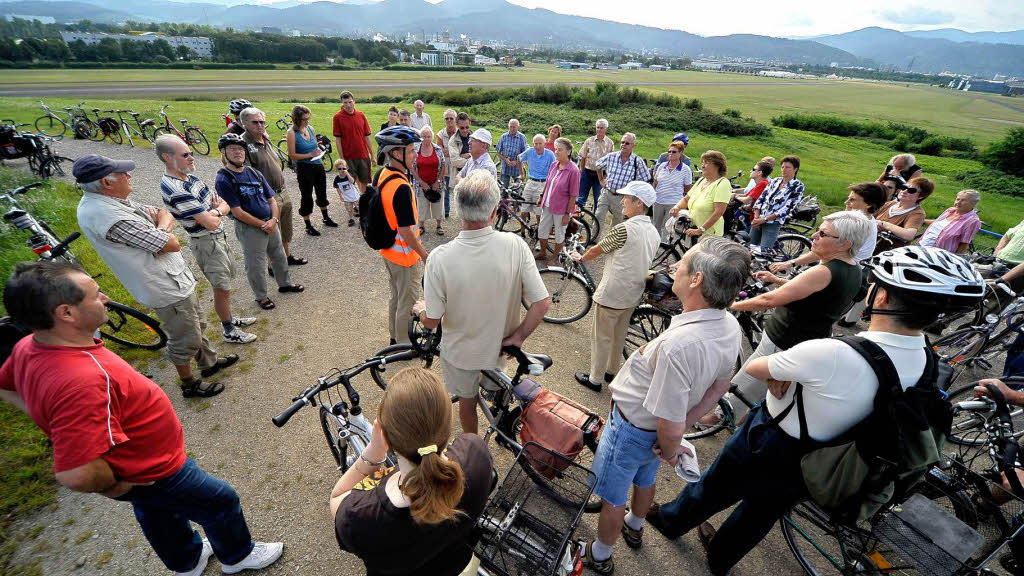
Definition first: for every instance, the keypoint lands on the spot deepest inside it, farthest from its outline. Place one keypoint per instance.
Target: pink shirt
(959, 231)
(561, 188)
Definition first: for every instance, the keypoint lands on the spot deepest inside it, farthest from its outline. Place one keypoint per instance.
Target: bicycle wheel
(53, 166)
(197, 141)
(97, 134)
(571, 297)
(84, 129)
(958, 347)
(508, 222)
(667, 254)
(410, 358)
(130, 327)
(116, 136)
(51, 126)
(792, 245)
(282, 152)
(822, 547)
(590, 218)
(328, 162)
(645, 324)
(725, 420)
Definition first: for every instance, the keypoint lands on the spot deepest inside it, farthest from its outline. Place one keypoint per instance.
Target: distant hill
(955, 35)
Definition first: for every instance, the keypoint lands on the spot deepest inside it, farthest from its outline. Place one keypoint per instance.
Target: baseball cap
(482, 134)
(92, 167)
(642, 190)
(682, 137)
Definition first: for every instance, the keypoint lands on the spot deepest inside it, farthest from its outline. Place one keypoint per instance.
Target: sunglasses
(672, 152)
(823, 234)
(911, 190)
(626, 143)
(258, 122)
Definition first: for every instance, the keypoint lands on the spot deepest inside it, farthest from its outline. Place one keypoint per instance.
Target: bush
(693, 104)
(904, 137)
(732, 113)
(1008, 154)
(989, 180)
(931, 146)
(412, 68)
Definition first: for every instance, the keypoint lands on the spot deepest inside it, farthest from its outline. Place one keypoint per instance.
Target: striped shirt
(671, 182)
(614, 239)
(511, 147)
(187, 198)
(779, 200)
(618, 174)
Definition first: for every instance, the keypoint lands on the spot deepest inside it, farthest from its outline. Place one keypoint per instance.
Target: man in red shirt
(114, 431)
(352, 136)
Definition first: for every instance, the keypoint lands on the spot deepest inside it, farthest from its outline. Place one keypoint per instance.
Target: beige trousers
(405, 289)
(607, 340)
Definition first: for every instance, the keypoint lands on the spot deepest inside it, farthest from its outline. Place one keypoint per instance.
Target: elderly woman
(554, 133)
(807, 305)
(392, 118)
(772, 209)
(417, 517)
(708, 198)
(955, 228)
(560, 191)
(304, 149)
(428, 171)
(904, 165)
(672, 180)
(901, 218)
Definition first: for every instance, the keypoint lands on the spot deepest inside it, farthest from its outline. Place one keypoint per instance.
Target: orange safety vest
(400, 254)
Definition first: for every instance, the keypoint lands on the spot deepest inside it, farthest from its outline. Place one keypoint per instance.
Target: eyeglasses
(258, 122)
(626, 143)
(672, 152)
(186, 155)
(755, 169)
(822, 234)
(449, 119)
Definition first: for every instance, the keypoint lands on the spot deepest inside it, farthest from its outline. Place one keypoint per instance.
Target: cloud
(916, 16)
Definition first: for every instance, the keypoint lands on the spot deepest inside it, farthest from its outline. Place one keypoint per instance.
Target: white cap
(642, 190)
(483, 135)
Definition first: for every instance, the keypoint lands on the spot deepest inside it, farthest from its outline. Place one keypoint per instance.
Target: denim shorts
(624, 458)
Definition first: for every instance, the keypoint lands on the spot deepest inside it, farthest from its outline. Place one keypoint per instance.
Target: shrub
(693, 104)
(1008, 154)
(990, 180)
(732, 113)
(931, 146)
(904, 137)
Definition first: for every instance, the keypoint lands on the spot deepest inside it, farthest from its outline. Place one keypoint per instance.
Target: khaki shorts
(459, 382)
(215, 259)
(360, 167)
(532, 193)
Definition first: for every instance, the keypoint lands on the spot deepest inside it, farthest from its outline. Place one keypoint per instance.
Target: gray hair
(426, 129)
(420, 102)
(724, 264)
(164, 144)
(452, 111)
(476, 196)
(94, 187)
(852, 226)
(541, 137)
(630, 135)
(601, 122)
(513, 120)
(908, 158)
(974, 195)
(244, 115)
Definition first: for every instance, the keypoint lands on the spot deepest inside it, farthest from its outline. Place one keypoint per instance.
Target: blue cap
(682, 137)
(92, 167)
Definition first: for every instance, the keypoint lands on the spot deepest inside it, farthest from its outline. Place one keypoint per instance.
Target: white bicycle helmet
(947, 279)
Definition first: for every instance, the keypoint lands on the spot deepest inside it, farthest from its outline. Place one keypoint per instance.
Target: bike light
(41, 249)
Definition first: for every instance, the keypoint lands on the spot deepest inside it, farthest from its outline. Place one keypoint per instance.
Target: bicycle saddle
(541, 359)
(134, 113)
(183, 120)
(14, 213)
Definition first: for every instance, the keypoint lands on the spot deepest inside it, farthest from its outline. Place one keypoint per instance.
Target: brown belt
(619, 411)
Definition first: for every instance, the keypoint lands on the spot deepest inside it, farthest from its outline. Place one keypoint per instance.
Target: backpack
(889, 451)
(373, 221)
(238, 185)
(636, 170)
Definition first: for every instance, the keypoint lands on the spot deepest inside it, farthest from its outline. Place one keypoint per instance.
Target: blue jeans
(758, 450)
(623, 458)
(505, 176)
(165, 508)
(588, 181)
(447, 197)
(765, 236)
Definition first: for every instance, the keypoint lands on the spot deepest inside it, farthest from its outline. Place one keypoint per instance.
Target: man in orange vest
(396, 148)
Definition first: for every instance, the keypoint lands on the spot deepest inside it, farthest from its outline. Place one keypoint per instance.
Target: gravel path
(285, 475)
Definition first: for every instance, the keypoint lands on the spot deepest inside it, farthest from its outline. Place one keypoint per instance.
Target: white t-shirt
(839, 385)
(932, 234)
(868, 249)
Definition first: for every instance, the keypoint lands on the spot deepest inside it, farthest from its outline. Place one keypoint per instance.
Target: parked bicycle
(979, 346)
(127, 129)
(15, 144)
(125, 325)
(323, 143)
(50, 123)
(108, 128)
(509, 219)
(191, 135)
(787, 246)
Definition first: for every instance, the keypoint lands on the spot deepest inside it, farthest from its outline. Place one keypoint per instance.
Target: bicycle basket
(527, 524)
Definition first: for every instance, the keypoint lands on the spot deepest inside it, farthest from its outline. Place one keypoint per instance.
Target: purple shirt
(563, 186)
(959, 231)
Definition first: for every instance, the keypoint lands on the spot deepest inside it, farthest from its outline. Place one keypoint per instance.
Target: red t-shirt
(92, 404)
(755, 192)
(353, 130)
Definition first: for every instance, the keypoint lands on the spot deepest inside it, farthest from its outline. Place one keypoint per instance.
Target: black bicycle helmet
(228, 139)
(396, 136)
(937, 278)
(236, 106)
(901, 184)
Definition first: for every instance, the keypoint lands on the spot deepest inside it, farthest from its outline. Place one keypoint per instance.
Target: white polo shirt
(839, 384)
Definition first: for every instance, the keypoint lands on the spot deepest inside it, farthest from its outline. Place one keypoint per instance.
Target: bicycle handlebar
(282, 418)
(25, 188)
(58, 250)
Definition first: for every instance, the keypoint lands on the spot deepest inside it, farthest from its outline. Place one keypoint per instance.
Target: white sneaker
(263, 554)
(204, 557)
(236, 336)
(243, 321)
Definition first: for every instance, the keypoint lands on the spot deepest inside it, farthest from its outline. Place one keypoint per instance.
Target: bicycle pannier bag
(373, 223)
(109, 125)
(558, 424)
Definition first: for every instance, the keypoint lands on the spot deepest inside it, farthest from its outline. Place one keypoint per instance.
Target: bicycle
(191, 135)
(126, 128)
(977, 346)
(569, 284)
(509, 219)
(323, 142)
(35, 147)
(50, 124)
(107, 127)
(787, 246)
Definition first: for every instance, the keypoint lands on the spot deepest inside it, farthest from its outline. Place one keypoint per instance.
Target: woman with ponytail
(418, 517)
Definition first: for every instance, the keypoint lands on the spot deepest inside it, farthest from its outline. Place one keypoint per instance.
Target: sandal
(222, 362)
(291, 288)
(266, 304)
(293, 261)
(195, 388)
(440, 232)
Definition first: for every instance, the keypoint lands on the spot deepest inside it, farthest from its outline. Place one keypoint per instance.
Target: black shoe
(655, 520)
(584, 379)
(222, 363)
(603, 567)
(311, 231)
(330, 223)
(351, 222)
(608, 377)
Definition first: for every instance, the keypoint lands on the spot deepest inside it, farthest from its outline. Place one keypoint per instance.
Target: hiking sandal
(222, 362)
(291, 288)
(266, 304)
(196, 389)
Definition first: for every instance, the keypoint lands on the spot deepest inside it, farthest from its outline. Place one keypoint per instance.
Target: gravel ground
(285, 475)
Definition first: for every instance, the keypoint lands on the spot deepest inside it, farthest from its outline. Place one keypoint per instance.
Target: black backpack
(373, 222)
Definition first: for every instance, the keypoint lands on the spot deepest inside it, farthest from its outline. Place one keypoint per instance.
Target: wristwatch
(702, 229)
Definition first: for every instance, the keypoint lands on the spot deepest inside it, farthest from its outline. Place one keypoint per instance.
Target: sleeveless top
(305, 146)
(813, 316)
(428, 166)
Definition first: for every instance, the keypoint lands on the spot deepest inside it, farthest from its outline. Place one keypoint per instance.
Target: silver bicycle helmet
(236, 106)
(939, 277)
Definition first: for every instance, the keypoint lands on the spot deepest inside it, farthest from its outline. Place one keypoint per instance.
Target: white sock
(633, 521)
(600, 551)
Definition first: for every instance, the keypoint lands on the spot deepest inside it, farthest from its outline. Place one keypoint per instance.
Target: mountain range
(982, 53)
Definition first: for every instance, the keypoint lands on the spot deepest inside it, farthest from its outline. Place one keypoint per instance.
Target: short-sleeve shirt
(618, 174)
(839, 385)
(390, 543)
(92, 404)
(779, 200)
(672, 182)
(537, 165)
(593, 151)
(353, 130)
(756, 190)
(252, 194)
(1013, 252)
(186, 199)
(477, 285)
(262, 157)
(510, 147)
(670, 374)
(418, 122)
(703, 197)
(484, 162)
(868, 248)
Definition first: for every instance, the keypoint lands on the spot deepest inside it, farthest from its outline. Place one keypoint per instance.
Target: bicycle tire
(590, 218)
(571, 297)
(328, 162)
(508, 222)
(282, 149)
(130, 327)
(381, 374)
(197, 140)
(965, 423)
(51, 126)
(84, 129)
(645, 324)
(808, 526)
(961, 345)
(725, 421)
(96, 134)
(792, 245)
(115, 136)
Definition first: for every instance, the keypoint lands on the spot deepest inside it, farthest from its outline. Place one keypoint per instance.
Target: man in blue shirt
(510, 146)
(538, 161)
(255, 212)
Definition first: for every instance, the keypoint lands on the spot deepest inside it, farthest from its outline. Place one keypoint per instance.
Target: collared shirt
(538, 165)
(779, 200)
(952, 233)
(418, 122)
(261, 156)
(593, 150)
(186, 199)
(134, 234)
(670, 375)
(510, 147)
(672, 182)
(477, 284)
(619, 173)
(484, 162)
(1013, 252)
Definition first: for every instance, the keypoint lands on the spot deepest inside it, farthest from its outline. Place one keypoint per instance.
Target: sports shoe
(236, 336)
(330, 223)
(263, 554)
(204, 558)
(242, 321)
